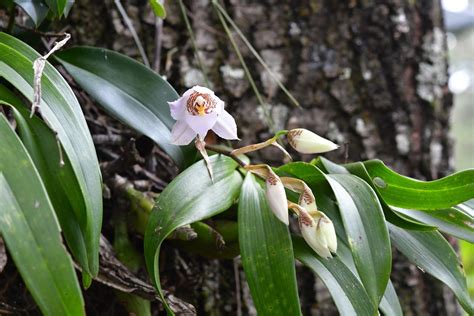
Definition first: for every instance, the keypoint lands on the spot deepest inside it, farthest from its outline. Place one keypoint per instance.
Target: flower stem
(226, 152)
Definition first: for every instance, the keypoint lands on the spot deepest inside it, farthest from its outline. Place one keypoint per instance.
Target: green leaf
(60, 182)
(36, 10)
(401, 191)
(189, 198)
(267, 254)
(346, 290)
(316, 180)
(433, 254)
(9, 98)
(31, 231)
(127, 90)
(67, 9)
(451, 221)
(390, 305)
(358, 169)
(57, 6)
(366, 230)
(158, 8)
(60, 109)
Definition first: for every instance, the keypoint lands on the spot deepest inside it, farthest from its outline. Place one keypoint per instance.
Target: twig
(44, 34)
(193, 41)
(129, 24)
(38, 67)
(255, 53)
(266, 112)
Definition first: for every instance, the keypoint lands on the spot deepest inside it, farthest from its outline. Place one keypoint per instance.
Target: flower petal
(201, 124)
(202, 90)
(182, 134)
(225, 126)
(177, 108)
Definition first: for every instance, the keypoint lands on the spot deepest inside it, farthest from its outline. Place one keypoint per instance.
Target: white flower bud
(307, 142)
(307, 200)
(318, 232)
(276, 197)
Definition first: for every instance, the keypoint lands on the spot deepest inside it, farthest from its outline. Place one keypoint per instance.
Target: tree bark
(369, 74)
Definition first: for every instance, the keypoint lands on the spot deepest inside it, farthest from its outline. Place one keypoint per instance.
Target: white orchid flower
(318, 232)
(307, 142)
(197, 112)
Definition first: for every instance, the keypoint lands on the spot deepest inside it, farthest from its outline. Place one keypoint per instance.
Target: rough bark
(368, 74)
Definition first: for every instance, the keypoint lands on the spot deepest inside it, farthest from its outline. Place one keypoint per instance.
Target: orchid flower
(197, 112)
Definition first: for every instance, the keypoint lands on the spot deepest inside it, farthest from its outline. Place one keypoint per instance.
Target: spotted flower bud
(307, 142)
(318, 232)
(197, 112)
(307, 200)
(276, 197)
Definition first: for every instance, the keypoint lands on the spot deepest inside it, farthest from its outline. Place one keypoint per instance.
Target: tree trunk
(369, 74)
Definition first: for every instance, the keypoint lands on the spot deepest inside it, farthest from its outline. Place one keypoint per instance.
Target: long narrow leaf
(366, 230)
(451, 221)
(57, 6)
(316, 180)
(36, 9)
(60, 181)
(59, 107)
(267, 254)
(433, 254)
(346, 290)
(127, 90)
(189, 198)
(31, 232)
(401, 191)
(359, 170)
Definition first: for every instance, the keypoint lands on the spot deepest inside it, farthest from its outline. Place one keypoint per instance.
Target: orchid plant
(339, 220)
(364, 227)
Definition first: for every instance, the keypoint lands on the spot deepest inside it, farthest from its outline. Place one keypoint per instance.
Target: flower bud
(307, 200)
(276, 196)
(307, 142)
(318, 232)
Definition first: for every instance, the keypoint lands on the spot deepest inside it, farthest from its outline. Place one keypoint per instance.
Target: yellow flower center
(200, 104)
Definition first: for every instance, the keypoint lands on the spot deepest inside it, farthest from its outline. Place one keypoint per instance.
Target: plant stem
(226, 152)
(44, 34)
